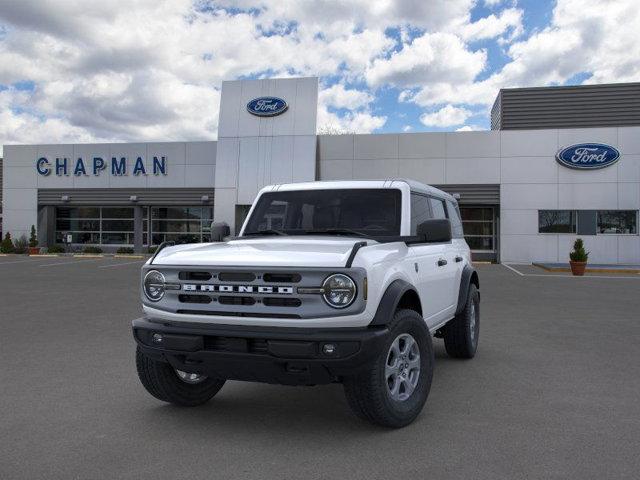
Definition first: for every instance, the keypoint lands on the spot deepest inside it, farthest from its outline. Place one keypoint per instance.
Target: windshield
(364, 212)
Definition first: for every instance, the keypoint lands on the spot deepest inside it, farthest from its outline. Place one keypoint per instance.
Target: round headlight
(339, 291)
(154, 285)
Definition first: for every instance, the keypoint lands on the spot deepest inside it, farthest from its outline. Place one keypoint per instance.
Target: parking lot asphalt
(554, 391)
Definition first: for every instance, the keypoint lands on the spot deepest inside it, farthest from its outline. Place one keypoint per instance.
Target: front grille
(236, 277)
(238, 314)
(195, 276)
(282, 302)
(195, 299)
(227, 300)
(236, 345)
(281, 277)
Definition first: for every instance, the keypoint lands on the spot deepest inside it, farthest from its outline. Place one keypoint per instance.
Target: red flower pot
(578, 268)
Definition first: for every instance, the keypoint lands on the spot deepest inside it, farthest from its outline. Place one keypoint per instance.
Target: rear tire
(163, 382)
(461, 334)
(374, 394)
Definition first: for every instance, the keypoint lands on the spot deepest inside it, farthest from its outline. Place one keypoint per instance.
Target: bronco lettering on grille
(190, 287)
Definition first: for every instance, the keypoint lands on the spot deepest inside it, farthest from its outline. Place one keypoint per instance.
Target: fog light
(157, 338)
(328, 349)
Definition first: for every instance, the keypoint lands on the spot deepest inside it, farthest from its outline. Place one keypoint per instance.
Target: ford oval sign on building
(267, 106)
(588, 156)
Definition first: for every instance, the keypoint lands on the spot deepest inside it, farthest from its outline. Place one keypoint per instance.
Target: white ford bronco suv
(340, 281)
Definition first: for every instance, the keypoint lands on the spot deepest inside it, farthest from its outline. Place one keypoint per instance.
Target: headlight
(339, 291)
(154, 285)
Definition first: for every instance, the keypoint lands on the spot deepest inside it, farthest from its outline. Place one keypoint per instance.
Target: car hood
(272, 251)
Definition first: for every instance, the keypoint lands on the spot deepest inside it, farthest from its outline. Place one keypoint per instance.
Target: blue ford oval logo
(267, 106)
(588, 156)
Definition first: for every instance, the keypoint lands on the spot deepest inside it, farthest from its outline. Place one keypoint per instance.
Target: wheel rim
(402, 368)
(191, 378)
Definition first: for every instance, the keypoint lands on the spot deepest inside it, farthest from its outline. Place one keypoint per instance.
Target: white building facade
(519, 203)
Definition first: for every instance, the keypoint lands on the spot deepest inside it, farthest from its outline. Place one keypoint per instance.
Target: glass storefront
(115, 225)
(479, 228)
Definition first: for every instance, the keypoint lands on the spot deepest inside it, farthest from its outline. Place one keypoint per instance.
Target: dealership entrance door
(480, 225)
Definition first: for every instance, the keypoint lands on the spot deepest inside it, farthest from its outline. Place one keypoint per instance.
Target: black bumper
(289, 356)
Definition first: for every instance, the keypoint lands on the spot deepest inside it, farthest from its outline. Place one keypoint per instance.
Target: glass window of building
(420, 211)
(557, 221)
(479, 228)
(95, 225)
(618, 221)
(181, 224)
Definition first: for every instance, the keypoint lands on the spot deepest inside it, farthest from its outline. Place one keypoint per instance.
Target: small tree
(20, 245)
(7, 244)
(33, 239)
(579, 254)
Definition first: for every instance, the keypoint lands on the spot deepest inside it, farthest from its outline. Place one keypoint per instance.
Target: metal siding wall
(567, 107)
(120, 196)
(474, 194)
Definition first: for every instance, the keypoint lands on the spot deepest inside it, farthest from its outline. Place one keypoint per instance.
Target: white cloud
(338, 96)
(447, 116)
(509, 20)
(407, 128)
(469, 128)
(432, 57)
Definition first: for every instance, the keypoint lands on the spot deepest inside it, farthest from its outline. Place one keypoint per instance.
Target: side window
(437, 207)
(419, 211)
(456, 222)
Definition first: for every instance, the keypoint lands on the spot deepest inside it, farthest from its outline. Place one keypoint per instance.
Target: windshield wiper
(337, 231)
(268, 231)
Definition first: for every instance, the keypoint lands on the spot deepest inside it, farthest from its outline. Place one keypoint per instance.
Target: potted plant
(578, 258)
(33, 242)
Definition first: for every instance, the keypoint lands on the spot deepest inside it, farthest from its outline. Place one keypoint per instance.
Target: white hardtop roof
(346, 184)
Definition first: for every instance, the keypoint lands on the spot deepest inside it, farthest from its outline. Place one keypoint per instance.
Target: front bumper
(289, 356)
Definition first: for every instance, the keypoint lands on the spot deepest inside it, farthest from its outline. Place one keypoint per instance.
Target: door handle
(458, 259)
(442, 262)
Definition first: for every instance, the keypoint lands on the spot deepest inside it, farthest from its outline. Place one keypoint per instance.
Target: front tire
(392, 390)
(173, 386)
(461, 334)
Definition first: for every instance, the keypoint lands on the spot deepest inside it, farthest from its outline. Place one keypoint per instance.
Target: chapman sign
(95, 166)
(267, 106)
(588, 156)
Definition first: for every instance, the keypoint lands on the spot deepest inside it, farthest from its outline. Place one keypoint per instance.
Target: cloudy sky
(125, 70)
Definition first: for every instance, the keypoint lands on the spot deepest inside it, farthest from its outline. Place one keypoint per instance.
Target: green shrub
(579, 254)
(33, 239)
(125, 250)
(92, 249)
(56, 249)
(7, 244)
(21, 244)
(153, 249)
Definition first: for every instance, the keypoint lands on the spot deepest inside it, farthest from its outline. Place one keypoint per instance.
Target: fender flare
(469, 276)
(390, 300)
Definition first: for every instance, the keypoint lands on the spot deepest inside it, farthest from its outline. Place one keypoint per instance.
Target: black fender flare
(390, 300)
(469, 276)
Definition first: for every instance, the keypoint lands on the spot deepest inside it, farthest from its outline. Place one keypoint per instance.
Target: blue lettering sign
(139, 167)
(61, 166)
(118, 167)
(267, 106)
(159, 166)
(98, 165)
(588, 156)
(42, 165)
(79, 170)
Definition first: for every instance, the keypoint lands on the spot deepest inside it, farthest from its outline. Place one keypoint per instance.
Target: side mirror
(437, 230)
(219, 230)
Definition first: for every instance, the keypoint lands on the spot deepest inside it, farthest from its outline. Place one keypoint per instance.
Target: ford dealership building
(559, 162)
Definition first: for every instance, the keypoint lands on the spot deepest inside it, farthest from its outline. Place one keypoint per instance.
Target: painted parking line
(30, 260)
(620, 277)
(121, 264)
(69, 263)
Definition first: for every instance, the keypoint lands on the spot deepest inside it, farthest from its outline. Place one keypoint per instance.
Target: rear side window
(454, 217)
(420, 211)
(437, 208)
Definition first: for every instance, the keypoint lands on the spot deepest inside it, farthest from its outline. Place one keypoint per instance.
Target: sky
(77, 71)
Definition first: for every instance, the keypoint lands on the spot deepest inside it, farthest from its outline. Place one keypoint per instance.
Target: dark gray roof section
(580, 106)
(122, 196)
(474, 194)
